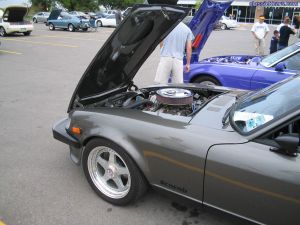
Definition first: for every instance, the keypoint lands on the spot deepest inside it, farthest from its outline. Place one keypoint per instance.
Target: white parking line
(67, 37)
(41, 43)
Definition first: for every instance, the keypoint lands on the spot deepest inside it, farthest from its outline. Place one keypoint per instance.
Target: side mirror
(288, 144)
(280, 67)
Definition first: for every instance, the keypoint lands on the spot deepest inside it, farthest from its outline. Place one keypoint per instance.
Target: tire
(112, 173)
(207, 80)
(27, 33)
(51, 26)
(2, 32)
(99, 23)
(84, 29)
(34, 20)
(223, 26)
(71, 28)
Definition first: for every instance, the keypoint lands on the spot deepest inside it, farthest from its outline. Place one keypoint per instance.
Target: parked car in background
(233, 150)
(100, 14)
(59, 19)
(188, 19)
(12, 21)
(40, 17)
(227, 23)
(109, 21)
(77, 13)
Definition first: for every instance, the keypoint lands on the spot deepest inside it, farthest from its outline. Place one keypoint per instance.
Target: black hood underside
(117, 62)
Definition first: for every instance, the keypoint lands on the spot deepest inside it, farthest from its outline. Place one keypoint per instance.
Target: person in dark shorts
(285, 32)
(274, 42)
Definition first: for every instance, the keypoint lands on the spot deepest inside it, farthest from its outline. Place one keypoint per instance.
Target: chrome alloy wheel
(2, 32)
(109, 172)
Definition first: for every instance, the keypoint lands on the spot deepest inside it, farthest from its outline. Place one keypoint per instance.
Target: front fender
(202, 69)
(97, 125)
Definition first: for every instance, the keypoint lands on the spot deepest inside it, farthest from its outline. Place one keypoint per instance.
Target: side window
(292, 63)
(40, 14)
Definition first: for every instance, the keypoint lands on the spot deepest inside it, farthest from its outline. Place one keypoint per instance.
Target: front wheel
(34, 20)
(71, 27)
(207, 80)
(51, 26)
(99, 23)
(223, 26)
(112, 173)
(2, 32)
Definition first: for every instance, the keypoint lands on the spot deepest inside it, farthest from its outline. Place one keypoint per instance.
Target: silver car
(229, 149)
(40, 17)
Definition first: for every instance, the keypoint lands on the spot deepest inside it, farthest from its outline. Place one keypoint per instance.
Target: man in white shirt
(260, 30)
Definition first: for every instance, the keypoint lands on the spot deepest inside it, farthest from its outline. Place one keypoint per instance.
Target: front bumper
(60, 133)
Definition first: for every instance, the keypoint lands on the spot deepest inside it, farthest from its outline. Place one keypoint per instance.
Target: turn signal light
(76, 130)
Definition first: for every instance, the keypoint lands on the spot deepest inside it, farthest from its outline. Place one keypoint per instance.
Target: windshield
(277, 56)
(266, 105)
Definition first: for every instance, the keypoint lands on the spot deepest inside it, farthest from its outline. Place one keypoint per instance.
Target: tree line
(84, 5)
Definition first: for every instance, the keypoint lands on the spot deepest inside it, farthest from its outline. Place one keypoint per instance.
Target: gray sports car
(225, 148)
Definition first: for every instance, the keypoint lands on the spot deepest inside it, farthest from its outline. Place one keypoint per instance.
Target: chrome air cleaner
(174, 96)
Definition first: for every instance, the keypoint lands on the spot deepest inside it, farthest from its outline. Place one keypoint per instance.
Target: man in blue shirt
(172, 53)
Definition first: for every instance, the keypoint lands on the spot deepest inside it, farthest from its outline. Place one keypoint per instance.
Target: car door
(251, 181)
(111, 20)
(267, 76)
(65, 21)
(39, 17)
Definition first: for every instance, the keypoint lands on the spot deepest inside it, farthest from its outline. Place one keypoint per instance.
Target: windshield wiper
(226, 114)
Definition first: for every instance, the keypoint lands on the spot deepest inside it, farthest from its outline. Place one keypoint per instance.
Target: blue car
(237, 71)
(59, 19)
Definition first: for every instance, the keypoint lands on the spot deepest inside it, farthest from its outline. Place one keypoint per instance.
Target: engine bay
(174, 101)
(230, 59)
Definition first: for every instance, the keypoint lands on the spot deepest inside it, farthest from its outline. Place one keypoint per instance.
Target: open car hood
(119, 59)
(15, 13)
(54, 14)
(204, 21)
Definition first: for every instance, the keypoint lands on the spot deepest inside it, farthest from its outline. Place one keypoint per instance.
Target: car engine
(174, 101)
(230, 59)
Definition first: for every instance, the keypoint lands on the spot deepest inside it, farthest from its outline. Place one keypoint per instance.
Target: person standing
(297, 25)
(274, 42)
(260, 30)
(172, 53)
(285, 32)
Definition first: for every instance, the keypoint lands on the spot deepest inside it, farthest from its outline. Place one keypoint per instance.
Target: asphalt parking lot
(38, 182)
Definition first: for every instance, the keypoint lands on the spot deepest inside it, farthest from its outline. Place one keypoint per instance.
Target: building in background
(246, 11)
